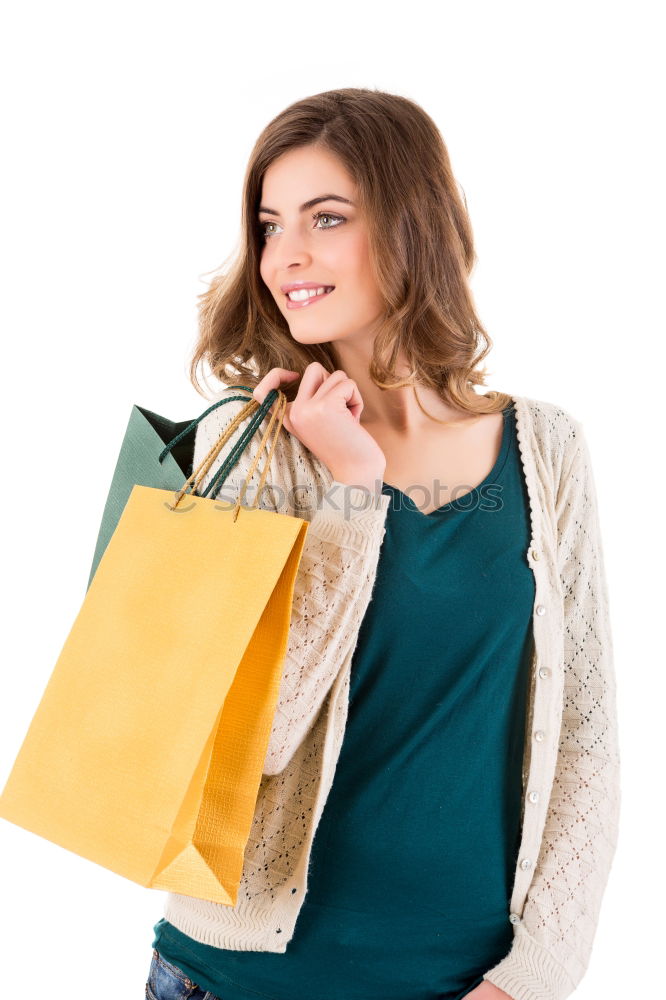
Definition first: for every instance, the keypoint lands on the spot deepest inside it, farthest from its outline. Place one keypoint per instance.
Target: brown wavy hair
(421, 248)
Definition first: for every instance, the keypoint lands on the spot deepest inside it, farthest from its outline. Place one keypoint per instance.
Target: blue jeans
(167, 982)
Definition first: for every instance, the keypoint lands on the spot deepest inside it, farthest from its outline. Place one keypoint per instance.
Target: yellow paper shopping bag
(146, 751)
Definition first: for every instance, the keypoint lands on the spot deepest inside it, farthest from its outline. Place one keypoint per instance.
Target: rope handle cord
(247, 434)
(190, 427)
(258, 412)
(253, 406)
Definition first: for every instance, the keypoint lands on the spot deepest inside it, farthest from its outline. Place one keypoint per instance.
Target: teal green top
(413, 860)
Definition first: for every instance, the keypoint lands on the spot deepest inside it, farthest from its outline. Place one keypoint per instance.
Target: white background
(126, 131)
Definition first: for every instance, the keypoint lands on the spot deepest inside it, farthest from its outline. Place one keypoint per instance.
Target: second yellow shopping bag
(145, 753)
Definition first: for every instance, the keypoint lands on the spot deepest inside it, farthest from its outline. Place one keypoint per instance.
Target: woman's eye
(339, 219)
(329, 215)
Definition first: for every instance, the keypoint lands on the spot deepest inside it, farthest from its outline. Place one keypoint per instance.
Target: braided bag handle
(253, 408)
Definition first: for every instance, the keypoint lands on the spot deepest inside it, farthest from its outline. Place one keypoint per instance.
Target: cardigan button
(533, 796)
(525, 864)
(514, 918)
(539, 736)
(540, 610)
(544, 672)
(535, 553)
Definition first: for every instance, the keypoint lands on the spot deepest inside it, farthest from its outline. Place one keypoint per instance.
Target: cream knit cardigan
(571, 793)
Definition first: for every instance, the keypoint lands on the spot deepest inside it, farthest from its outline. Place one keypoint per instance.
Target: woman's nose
(292, 247)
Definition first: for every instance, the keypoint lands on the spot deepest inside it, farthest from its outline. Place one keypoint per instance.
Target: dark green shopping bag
(158, 452)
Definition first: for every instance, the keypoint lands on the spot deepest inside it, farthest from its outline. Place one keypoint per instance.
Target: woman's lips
(310, 301)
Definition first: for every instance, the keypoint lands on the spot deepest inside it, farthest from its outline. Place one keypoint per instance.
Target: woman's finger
(273, 380)
(314, 376)
(343, 388)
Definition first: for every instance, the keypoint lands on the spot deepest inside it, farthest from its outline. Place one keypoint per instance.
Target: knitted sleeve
(335, 575)
(553, 941)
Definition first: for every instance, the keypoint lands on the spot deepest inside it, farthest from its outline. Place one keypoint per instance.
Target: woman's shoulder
(551, 424)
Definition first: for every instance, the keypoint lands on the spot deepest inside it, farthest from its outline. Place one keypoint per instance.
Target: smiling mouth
(308, 299)
(327, 289)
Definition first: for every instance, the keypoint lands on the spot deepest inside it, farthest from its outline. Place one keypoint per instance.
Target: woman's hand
(325, 417)
(487, 991)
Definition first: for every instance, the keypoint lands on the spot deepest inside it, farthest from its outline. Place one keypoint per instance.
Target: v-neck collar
(467, 499)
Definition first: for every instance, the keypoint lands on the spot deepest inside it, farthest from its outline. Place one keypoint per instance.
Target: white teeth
(298, 294)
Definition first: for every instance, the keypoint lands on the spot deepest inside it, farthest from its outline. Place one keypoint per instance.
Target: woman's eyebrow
(309, 204)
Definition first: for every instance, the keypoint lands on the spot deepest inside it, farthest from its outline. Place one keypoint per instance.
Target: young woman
(446, 720)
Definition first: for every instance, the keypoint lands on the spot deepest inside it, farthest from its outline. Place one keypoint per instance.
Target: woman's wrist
(371, 482)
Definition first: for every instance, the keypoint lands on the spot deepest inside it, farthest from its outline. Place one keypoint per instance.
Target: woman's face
(325, 243)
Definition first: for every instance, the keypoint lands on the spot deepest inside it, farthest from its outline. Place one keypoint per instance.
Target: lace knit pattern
(571, 763)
